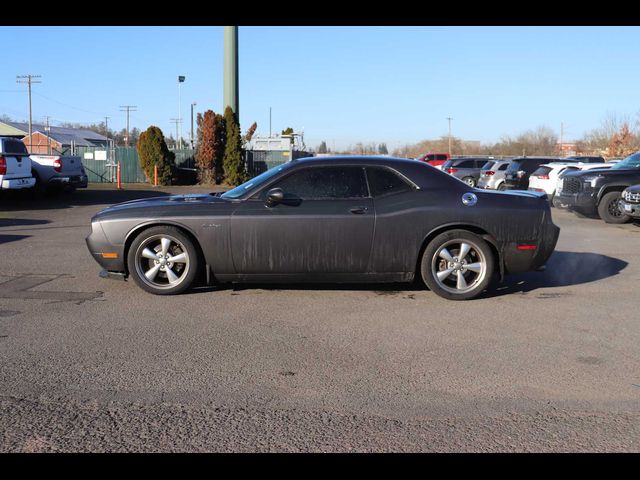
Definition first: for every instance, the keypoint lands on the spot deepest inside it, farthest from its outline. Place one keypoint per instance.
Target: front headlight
(592, 180)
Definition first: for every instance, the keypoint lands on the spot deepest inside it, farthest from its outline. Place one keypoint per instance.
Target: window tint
(383, 181)
(488, 165)
(541, 171)
(324, 182)
(504, 166)
(14, 146)
(466, 164)
(441, 157)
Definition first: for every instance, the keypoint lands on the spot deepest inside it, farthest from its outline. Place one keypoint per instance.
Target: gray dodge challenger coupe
(340, 219)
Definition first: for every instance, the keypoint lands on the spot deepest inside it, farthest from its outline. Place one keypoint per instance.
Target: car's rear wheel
(609, 209)
(470, 181)
(457, 265)
(502, 187)
(163, 261)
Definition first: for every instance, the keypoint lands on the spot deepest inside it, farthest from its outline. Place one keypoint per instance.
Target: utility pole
(231, 70)
(106, 134)
(193, 104)
(47, 130)
(449, 118)
(177, 121)
(561, 136)
(127, 108)
(29, 80)
(269, 122)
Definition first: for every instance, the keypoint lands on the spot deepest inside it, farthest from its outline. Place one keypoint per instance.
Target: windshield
(632, 161)
(253, 183)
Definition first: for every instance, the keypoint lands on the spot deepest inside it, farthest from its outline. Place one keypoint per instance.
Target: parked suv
(630, 203)
(546, 177)
(517, 175)
(465, 169)
(15, 165)
(585, 159)
(599, 190)
(492, 174)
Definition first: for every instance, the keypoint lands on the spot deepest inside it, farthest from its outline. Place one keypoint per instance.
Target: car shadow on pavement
(563, 269)
(11, 238)
(52, 201)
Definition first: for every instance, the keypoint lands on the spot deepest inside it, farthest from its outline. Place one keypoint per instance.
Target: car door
(324, 224)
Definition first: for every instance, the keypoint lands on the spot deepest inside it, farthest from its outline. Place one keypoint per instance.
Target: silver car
(492, 174)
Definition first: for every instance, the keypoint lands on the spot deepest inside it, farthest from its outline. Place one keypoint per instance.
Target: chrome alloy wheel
(458, 266)
(162, 261)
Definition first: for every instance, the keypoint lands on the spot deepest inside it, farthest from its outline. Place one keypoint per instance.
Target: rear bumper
(76, 181)
(17, 183)
(516, 261)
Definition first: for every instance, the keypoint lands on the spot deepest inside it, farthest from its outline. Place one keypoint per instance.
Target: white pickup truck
(15, 165)
(62, 172)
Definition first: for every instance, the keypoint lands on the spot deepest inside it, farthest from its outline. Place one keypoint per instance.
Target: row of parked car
(40, 173)
(589, 185)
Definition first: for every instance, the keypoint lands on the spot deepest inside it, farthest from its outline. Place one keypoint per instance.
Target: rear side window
(441, 157)
(447, 164)
(488, 165)
(14, 146)
(383, 181)
(504, 166)
(324, 182)
(466, 164)
(541, 171)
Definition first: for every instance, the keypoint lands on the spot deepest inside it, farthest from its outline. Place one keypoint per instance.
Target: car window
(488, 165)
(541, 171)
(383, 181)
(504, 166)
(324, 182)
(15, 147)
(466, 164)
(447, 164)
(441, 157)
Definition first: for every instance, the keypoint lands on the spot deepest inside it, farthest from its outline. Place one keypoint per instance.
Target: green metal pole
(231, 70)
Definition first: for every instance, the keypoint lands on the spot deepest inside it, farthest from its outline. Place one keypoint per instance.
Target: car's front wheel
(457, 265)
(163, 260)
(609, 209)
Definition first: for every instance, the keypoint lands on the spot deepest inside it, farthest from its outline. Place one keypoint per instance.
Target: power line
(127, 108)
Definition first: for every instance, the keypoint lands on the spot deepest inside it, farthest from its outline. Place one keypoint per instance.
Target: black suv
(521, 168)
(598, 190)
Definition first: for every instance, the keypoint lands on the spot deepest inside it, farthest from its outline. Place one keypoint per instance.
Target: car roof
(354, 159)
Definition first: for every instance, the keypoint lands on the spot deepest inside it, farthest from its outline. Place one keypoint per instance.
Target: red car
(434, 159)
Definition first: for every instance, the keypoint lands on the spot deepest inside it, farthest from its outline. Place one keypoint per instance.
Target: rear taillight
(488, 173)
(57, 165)
(3, 166)
(543, 177)
(452, 170)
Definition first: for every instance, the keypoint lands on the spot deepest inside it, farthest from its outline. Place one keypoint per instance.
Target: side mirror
(274, 197)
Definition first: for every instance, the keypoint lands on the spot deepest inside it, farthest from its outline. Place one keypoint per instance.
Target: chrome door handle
(358, 210)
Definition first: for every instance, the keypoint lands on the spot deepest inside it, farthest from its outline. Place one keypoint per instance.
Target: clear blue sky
(341, 84)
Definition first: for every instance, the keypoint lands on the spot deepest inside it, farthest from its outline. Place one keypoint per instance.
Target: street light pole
(449, 118)
(180, 81)
(192, 105)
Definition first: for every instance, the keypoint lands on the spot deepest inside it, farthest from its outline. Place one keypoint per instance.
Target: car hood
(164, 201)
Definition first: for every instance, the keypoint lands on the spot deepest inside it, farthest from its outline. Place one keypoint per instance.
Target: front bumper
(631, 209)
(582, 200)
(18, 183)
(109, 256)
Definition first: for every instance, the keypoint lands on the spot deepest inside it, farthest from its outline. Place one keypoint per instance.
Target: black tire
(609, 209)
(433, 262)
(472, 182)
(160, 284)
(502, 187)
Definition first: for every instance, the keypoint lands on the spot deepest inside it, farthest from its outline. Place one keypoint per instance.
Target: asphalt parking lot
(547, 361)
